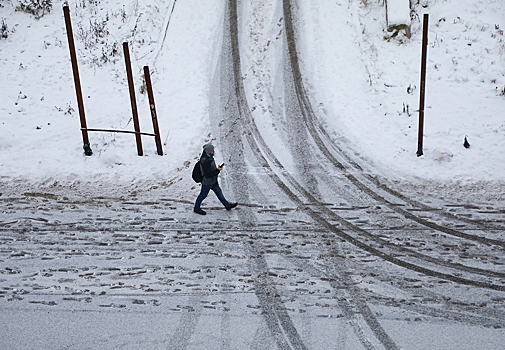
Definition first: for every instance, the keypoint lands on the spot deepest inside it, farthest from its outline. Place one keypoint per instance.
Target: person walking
(210, 174)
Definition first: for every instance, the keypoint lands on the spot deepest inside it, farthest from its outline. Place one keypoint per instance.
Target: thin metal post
(152, 107)
(423, 86)
(77, 81)
(136, 123)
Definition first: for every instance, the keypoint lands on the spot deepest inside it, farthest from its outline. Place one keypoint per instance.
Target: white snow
(367, 102)
(41, 138)
(363, 83)
(378, 116)
(398, 12)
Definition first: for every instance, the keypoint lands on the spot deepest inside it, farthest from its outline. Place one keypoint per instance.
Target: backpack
(197, 173)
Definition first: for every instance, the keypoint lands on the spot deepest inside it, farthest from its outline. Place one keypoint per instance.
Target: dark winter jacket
(209, 169)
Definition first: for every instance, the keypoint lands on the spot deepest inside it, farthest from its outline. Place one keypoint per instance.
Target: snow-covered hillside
(363, 79)
(342, 238)
(464, 88)
(41, 140)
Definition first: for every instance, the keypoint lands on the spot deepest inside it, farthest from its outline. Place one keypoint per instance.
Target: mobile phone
(222, 165)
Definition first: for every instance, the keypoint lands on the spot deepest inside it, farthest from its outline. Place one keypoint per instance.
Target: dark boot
(200, 211)
(230, 206)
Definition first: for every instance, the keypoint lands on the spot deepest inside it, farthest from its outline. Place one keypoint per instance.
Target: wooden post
(423, 86)
(136, 123)
(152, 107)
(77, 82)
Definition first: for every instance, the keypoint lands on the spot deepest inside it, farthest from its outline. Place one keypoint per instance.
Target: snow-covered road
(134, 272)
(115, 272)
(321, 252)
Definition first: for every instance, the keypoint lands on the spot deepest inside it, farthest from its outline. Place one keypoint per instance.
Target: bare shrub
(109, 51)
(93, 35)
(4, 30)
(37, 8)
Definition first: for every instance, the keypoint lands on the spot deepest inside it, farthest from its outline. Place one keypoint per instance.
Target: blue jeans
(205, 192)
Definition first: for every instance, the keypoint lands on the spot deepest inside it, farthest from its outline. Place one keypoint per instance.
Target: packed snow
(372, 103)
(124, 225)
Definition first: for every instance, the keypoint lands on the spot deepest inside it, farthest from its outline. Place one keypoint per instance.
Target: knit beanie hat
(208, 148)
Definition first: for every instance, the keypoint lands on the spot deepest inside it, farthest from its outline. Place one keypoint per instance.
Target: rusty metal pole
(77, 81)
(423, 86)
(152, 107)
(136, 123)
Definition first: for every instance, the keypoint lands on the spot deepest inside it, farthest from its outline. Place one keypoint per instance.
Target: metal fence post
(152, 108)
(135, 115)
(423, 86)
(77, 82)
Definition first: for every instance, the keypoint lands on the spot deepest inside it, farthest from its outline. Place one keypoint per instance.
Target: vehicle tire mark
(254, 139)
(339, 280)
(488, 318)
(309, 117)
(187, 324)
(277, 318)
(246, 117)
(295, 85)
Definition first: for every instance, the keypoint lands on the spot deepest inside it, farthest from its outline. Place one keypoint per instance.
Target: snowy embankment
(372, 104)
(40, 138)
(369, 108)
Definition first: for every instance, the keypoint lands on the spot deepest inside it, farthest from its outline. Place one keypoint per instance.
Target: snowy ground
(362, 104)
(343, 238)
(464, 89)
(41, 140)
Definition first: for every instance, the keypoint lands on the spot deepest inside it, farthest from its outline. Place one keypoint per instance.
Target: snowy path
(427, 265)
(155, 263)
(318, 255)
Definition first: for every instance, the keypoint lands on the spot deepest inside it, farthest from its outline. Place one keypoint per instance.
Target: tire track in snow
(341, 278)
(353, 162)
(275, 314)
(340, 281)
(488, 317)
(332, 216)
(309, 117)
(254, 138)
(259, 148)
(315, 130)
(247, 118)
(187, 323)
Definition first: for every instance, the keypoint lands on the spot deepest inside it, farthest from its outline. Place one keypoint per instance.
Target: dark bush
(37, 8)
(4, 31)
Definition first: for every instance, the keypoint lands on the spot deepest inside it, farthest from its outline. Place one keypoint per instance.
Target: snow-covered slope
(40, 138)
(363, 81)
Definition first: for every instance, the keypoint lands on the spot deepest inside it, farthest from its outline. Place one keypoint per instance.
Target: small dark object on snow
(200, 211)
(87, 150)
(466, 144)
